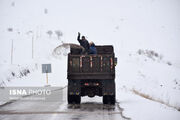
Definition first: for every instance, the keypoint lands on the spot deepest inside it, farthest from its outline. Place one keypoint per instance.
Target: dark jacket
(83, 43)
(92, 49)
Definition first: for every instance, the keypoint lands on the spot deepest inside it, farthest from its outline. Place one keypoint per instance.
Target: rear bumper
(81, 76)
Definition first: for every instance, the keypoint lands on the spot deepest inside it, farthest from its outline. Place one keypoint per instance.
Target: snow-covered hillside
(145, 35)
(148, 75)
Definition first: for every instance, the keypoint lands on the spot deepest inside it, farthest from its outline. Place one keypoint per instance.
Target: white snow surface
(145, 36)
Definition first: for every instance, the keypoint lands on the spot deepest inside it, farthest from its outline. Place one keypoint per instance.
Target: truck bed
(91, 66)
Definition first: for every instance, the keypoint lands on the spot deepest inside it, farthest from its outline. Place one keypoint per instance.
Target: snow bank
(148, 74)
(139, 108)
(11, 72)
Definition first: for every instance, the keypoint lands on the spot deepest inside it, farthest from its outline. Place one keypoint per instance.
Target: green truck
(91, 75)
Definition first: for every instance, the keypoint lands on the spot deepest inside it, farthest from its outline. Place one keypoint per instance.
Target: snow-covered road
(90, 108)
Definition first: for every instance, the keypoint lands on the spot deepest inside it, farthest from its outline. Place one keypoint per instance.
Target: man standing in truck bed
(83, 42)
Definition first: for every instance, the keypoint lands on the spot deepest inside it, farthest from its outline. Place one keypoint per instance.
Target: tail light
(91, 84)
(86, 84)
(96, 84)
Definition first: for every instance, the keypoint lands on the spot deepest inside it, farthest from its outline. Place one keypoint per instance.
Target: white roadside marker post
(32, 47)
(12, 53)
(46, 68)
(46, 75)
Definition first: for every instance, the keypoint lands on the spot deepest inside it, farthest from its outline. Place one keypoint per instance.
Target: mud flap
(74, 87)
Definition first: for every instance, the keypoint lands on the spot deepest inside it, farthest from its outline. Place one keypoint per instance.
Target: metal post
(32, 47)
(12, 53)
(47, 78)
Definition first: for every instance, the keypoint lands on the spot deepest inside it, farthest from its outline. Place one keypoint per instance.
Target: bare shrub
(59, 34)
(49, 32)
(10, 29)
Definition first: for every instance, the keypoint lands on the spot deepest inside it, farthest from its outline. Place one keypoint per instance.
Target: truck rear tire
(105, 100)
(78, 99)
(70, 99)
(109, 99)
(113, 99)
(74, 99)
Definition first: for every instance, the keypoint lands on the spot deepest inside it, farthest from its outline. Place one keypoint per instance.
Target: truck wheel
(109, 99)
(70, 99)
(77, 99)
(74, 99)
(113, 99)
(105, 100)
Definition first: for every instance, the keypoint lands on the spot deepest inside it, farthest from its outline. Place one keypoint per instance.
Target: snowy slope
(153, 79)
(134, 27)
